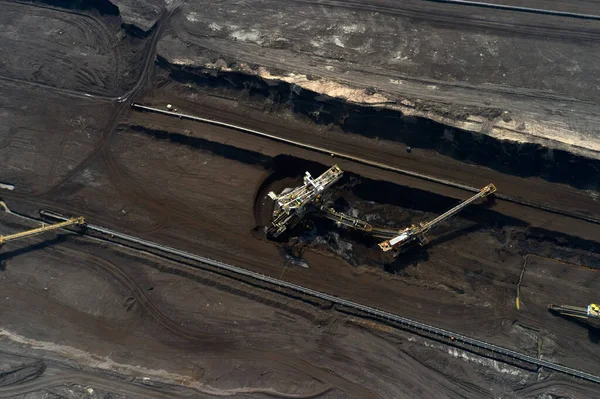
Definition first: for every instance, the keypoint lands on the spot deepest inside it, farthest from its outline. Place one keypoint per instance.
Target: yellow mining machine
(591, 312)
(416, 233)
(80, 221)
(292, 205)
(341, 219)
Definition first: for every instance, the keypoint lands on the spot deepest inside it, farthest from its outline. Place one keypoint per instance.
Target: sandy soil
(116, 320)
(537, 69)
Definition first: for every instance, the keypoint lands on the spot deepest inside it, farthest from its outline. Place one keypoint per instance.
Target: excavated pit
(382, 204)
(379, 201)
(389, 205)
(519, 159)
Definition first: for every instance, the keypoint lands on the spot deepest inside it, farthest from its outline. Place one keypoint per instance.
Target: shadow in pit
(592, 326)
(415, 254)
(104, 7)
(365, 248)
(554, 245)
(224, 150)
(384, 192)
(411, 257)
(8, 255)
(515, 158)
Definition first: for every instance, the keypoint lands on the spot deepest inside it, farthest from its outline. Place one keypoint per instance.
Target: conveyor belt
(364, 161)
(381, 314)
(355, 223)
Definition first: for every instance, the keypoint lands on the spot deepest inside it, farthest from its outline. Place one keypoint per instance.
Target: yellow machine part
(42, 229)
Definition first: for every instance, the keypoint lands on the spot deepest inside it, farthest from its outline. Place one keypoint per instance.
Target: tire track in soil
(195, 341)
(58, 157)
(209, 345)
(70, 377)
(120, 276)
(12, 131)
(103, 147)
(96, 23)
(220, 347)
(108, 329)
(111, 330)
(128, 186)
(431, 14)
(61, 377)
(542, 388)
(233, 51)
(217, 348)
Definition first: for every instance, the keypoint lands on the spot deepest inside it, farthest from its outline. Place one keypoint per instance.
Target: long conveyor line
(367, 162)
(380, 314)
(356, 223)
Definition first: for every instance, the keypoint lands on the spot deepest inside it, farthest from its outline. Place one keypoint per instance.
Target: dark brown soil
(96, 313)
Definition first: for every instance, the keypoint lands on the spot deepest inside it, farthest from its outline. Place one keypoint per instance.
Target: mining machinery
(416, 233)
(292, 205)
(341, 219)
(591, 312)
(42, 229)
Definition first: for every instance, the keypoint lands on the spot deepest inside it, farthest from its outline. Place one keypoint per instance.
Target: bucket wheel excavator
(416, 233)
(293, 204)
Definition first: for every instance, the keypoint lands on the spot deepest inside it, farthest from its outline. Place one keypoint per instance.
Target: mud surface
(80, 314)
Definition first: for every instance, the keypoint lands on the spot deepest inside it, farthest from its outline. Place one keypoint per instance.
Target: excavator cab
(489, 189)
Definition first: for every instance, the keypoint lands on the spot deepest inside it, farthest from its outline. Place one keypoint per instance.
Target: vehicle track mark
(432, 13)
(104, 145)
(455, 339)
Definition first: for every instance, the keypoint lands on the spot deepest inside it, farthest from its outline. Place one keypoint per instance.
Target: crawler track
(364, 161)
(377, 313)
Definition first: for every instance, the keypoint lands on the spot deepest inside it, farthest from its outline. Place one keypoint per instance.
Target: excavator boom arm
(44, 228)
(484, 192)
(413, 233)
(591, 311)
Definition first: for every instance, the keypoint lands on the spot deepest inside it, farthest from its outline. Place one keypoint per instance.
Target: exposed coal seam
(519, 159)
(368, 162)
(384, 192)
(197, 143)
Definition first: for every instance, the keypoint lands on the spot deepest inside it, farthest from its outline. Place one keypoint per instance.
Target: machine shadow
(8, 255)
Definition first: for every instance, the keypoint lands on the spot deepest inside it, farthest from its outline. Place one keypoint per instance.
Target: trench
(518, 159)
(104, 7)
(397, 206)
(403, 205)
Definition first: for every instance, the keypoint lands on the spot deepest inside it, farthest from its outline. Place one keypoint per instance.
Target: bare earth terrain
(465, 95)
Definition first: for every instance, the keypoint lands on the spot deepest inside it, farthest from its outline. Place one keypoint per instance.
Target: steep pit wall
(380, 122)
(138, 17)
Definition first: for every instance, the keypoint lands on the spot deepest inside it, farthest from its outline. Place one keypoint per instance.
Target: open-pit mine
(299, 199)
